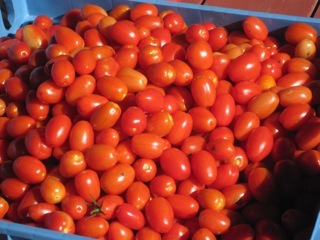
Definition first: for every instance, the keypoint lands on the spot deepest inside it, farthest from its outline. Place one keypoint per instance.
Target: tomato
(138, 194)
(147, 145)
(216, 222)
(162, 186)
(35, 108)
(183, 97)
(199, 55)
(13, 189)
(125, 32)
(307, 162)
(38, 211)
(92, 226)
(34, 36)
(267, 228)
(36, 169)
(52, 191)
(244, 124)
(119, 231)
(81, 136)
(101, 157)
(105, 116)
(244, 68)
(130, 216)
(240, 231)
(145, 169)
(203, 166)
(117, 179)
(210, 198)
(177, 231)
(224, 109)
(143, 9)
(305, 31)
(106, 66)
(57, 130)
(221, 149)
(294, 79)
(32, 197)
(126, 154)
(181, 169)
(87, 185)
(268, 99)
(36, 145)
(227, 175)
(106, 206)
(236, 196)
(161, 221)
(69, 38)
(16, 88)
(295, 116)
(307, 137)
(203, 233)
(255, 28)
(59, 221)
(259, 143)
(75, 206)
(133, 79)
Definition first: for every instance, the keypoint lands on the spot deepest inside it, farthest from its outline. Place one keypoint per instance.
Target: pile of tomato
(131, 124)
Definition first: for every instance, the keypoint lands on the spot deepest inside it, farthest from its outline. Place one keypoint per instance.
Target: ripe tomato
(52, 191)
(147, 145)
(244, 124)
(145, 169)
(259, 143)
(162, 186)
(215, 221)
(69, 38)
(255, 28)
(125, 32)
(119, 231)
(305, 31)
(57, 130)
(13, 188)
(246, 67)
(36, 169)
(138, 194)
(87, 185)
(92, 226)
(161, 221)
(81, 136)
(227, 175)
(240, 231)
(17, 126)
(117, 179)
(307, 137)
(178, 231)
(236, 196)
(180, 169)
(199, 55)
(35, 108)
(130, 216)
(37, 212)
(59, 221)
(36, 145)
(75, 206)
(210, 198)
(203, 233)
(203, 166)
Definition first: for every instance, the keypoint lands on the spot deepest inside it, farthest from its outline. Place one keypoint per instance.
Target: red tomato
(125, 32)
(105, 116)
(119, 231)
(210, 198)
(52, 190)
(106, 206)
(246, 67)
(138, 194)
(69, 38)
(307, 137)
(255, 28)
(13, 188)
(162, 186)
(267, 228)
(130, 216)
(221, 149)
(240, 231)
(203, 233)
(81, 136)
(216, 222)
(143, 9)
(38, 211)
(227, 175)
(87, 185)
(199, 55)
(178, 231)
(244, 91)
(259, 143)
(203, 166)
(147, 145)
(223, 109)
(117, 179)
(32, 197)
(36, 145)
(179, 169)
(75, 206)
(236, 196)
(36, 169)
(161, 221)
(262, 185)
(59, 221)
(57, 130)
(92, 226)
(305, 31)
(101, 157)
(145, 169)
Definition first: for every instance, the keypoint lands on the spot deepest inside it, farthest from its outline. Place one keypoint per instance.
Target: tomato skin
(161, 221)
(92, 226)
(181, 129)
(307, 137)
(203, 233)
(32, 197)
(255, 28)
(18, 126)
(57, 130)
(221, 149)
(125, 32)
(246, 67)
(13, 189)
(304, 30)
(180, 169)
(36, 144)
(147, 145)
(294, 95)
(75, 206)
(183, 206)
(241, 231)
(244, 91)
(227, 175)
(36, 173)
(295, 116)
(87, 185)
(210, 198)
(259, 143)
(35, 108)
(52, 190)
(216, 222)
(223, 109)
(130, 216)
(69, 38)
(294, 79)
(307, 162)
(59, 221)
(244, 124)
(117, 179)
(203, 166)
(81, 136)
(119, 231)
(203, 91)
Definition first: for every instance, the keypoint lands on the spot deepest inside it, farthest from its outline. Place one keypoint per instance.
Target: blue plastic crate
(23, 11)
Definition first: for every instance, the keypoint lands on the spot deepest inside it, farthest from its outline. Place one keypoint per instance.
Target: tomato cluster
(131, 124)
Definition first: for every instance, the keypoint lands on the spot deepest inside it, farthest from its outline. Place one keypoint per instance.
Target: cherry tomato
(52, 191)
(147, 145)
(59, 221)
(75, 206)
(38, 211)
(13, 188)
(216, 222)
(199, 55)
(255, 28)
(57, 130)
(227, 175)
(306, 31)
(119, 231)
(210, 198)
(81, 136)
(92, 226)
(87, 185)
(161, 221)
